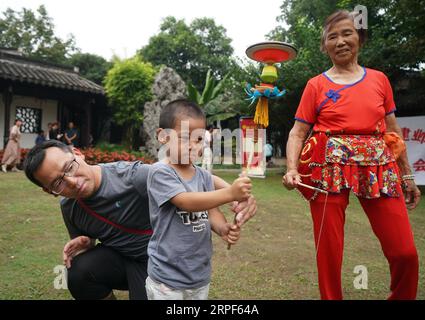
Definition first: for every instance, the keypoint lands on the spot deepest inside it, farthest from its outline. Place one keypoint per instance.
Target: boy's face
(185, 140)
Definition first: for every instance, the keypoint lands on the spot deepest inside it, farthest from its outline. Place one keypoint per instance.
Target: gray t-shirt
(180, 249)
(121, 198)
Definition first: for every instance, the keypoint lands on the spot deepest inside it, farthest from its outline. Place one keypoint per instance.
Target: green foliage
(211, 90)
(34, 34)
(191, 50)
(396, 46)
(128, 87)
(216, 103)
(91, 66)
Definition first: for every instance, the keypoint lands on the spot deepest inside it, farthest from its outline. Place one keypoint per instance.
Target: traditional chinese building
(41, 92)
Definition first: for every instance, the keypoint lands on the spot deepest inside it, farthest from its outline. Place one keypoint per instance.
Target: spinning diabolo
(269, 53)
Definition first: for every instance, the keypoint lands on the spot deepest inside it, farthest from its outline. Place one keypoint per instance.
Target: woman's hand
(291, 179)
(412, 194)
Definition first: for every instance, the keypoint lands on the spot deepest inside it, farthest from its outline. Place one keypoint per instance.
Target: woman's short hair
(337, 17)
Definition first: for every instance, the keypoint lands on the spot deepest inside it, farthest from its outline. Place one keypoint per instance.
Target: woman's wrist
(407, 177)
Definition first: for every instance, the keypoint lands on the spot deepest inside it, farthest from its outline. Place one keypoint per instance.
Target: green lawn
(274, 259)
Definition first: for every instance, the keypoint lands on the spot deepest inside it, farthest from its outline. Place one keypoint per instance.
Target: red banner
(253, 141)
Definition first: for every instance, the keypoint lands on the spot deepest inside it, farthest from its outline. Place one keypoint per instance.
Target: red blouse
(359, 107)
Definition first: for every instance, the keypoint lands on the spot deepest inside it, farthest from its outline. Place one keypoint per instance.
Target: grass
(273, 260)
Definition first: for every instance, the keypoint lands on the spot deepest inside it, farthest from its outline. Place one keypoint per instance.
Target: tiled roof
(20, 69)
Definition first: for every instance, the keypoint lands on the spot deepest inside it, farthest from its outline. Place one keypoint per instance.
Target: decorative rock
(168, 86)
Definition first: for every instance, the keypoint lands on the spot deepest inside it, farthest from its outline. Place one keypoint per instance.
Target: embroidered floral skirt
(362, 163)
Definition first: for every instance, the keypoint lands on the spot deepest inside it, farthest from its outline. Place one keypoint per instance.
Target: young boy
(183, 209)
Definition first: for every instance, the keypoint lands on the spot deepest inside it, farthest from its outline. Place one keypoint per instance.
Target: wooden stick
(234, 222)
(312, 188)
(244, 173)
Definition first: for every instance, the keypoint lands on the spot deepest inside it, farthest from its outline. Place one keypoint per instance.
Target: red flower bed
(95, 156)
(23, 154)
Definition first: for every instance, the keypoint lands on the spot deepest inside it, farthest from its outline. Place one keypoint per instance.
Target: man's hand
(75, 247)
(412, 194)
(241, 189)
(230, 233)
(244, 210)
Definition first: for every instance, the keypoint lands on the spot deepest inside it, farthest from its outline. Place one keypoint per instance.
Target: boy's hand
(230, 233)
(241, 189)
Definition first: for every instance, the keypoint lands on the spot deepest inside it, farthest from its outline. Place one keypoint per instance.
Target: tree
(128, 87)
(396, 46)
(191, 50)
(34, 34)
(91, 66)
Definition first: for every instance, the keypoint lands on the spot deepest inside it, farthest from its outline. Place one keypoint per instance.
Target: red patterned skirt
(362, 163)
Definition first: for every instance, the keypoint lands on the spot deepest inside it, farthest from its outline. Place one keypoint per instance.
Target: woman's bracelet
(408, 177)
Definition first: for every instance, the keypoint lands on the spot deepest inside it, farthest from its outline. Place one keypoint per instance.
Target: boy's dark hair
(36, 156)
(179, 108)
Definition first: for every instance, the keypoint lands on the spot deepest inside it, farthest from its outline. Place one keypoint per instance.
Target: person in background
(207, 152)
(268, 151)
(49, 127)
(41, 137)
(12, 153)
(71, 135)
(54, 133)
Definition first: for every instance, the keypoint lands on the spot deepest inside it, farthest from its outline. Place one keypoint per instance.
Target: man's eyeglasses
(59, 185)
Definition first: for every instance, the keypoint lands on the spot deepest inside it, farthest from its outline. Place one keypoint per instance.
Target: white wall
(49, 114)
(1, 122)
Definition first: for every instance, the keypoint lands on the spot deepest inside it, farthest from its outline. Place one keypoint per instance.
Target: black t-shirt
(121, 198)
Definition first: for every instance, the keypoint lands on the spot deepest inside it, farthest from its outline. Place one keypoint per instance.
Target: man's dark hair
(36, 156)
(179, 109)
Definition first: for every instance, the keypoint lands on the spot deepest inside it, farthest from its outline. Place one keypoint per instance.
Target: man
(108, 203)
(71, 135)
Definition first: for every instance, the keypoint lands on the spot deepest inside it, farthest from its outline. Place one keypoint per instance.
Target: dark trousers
(94, 273)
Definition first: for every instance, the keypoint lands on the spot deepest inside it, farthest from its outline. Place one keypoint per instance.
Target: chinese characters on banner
(253, 140)
(413, 129)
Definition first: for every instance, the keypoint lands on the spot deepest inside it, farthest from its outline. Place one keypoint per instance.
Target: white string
(321, 226)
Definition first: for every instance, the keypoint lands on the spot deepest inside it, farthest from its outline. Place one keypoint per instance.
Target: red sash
(101, 218)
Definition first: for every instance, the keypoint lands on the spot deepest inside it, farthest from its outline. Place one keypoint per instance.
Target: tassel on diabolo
(269, 53)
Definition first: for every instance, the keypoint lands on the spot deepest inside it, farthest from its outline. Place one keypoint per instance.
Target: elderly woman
(349, 109)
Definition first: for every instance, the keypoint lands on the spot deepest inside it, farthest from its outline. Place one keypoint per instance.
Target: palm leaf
(208, 89)
(219, 87)
(221, 116)
(193, 94)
